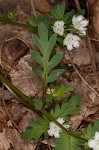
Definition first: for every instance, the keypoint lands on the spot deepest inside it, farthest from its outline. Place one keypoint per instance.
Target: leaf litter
(22, 76)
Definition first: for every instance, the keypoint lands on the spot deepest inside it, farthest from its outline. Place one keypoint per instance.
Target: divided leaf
(67, 107)
(67, 142)
(46, 46)
(58, 11)
(37, 129)
(60, 91)
(90, 131)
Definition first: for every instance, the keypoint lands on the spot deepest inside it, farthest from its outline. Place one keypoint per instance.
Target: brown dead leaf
(90, 111)
(42, 5)
(4, 142)
(10, 49)
(18, 144)
(23, 77)
(3, 117)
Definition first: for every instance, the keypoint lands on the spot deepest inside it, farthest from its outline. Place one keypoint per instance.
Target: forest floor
(16, 41)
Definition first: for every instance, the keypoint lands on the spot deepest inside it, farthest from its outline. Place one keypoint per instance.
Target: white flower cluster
(71, 41)
(55, 130)
(59, 27)
(94, 143)
(80, 22)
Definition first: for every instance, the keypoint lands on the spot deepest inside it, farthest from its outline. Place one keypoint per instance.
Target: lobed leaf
(58, 11)
(67, 107)
(38, 128)
(60, 91)
(67, 142)
(54, 75)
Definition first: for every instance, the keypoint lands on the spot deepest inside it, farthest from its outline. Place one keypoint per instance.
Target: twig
(48, 142)
(94, 68)
(33, 10)
(3, 99)
(4, 104)
(92, 39)
(77, 4)
(80, 74)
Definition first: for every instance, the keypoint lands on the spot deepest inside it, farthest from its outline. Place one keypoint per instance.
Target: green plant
(55, 107)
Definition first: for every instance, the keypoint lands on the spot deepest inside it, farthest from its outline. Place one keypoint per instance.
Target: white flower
(71, 41)
(59, 27)
(94, 143)
(55, 130)
(80, 22)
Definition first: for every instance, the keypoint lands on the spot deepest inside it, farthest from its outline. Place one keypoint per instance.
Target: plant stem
(44, 86)
(62, 127)
(21, 97)
(18, 24)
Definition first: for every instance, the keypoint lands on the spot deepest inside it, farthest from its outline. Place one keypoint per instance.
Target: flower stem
(21, 97)
(27, 26)
(62, 127)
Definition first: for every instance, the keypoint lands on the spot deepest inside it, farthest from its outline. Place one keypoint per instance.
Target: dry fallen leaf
(23, 78)
(42, 5)
(4, 142)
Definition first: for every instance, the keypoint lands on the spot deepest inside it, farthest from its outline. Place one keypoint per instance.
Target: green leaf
(13, 14)
(58, 11)
(55, 61)
(38, 71)
(28, 134)
(67, 142)
(52, 42)
(35, 21)
(80, 12)
(96, 126)
(38, 128)
(60, 91)
(67, 107)
(38, 43)
(75, 100)
(43, 32)
(68, 17)
(90, 131)
(37, 57)
(54, 75)
(38, 104)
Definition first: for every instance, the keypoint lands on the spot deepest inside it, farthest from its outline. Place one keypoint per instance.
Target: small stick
(80, 74)
(33, 10)
(93, 62)
(3, 99)
(92, 39)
